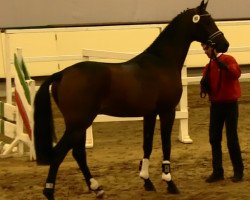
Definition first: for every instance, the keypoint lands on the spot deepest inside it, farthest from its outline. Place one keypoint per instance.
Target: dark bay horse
(147, 85)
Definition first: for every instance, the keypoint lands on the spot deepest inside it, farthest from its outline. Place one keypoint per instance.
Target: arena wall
(61, 13)
(53, 49)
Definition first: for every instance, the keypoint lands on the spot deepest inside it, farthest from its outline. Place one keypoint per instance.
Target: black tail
(43, 122)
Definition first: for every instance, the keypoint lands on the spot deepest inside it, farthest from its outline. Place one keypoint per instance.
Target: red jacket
(224, 83)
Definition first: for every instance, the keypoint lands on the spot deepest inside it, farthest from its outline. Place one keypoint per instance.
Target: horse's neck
(172, 46)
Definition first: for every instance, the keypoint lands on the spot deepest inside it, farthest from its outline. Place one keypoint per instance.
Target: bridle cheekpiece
(196, 18)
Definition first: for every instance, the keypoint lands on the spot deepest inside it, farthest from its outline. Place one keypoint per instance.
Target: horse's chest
(170, 89)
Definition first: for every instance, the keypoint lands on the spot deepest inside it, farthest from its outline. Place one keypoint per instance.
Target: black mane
(168, 32)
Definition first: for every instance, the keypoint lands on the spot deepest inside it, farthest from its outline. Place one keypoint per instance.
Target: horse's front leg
(167, 121)
(148, 133)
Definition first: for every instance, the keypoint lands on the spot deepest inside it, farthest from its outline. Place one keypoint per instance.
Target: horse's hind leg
(60, 151)
(167, 121)
(148, 133)
(79, 154)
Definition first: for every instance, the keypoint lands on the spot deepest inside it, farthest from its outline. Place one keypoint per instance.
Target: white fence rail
(16, 121)
(88, 53)
(181, 114)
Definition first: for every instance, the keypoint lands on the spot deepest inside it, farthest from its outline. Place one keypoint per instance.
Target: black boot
(237, 177)
(214, 177)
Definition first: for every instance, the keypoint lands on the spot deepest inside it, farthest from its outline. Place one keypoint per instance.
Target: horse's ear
(203, 5)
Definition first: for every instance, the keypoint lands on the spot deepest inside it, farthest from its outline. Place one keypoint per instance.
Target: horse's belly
(124, 108)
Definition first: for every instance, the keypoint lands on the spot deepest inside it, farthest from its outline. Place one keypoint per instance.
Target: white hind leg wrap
(94, 185)
(166, 176)
(144, 169)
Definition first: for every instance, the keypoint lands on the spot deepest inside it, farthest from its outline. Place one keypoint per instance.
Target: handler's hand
(222, 65)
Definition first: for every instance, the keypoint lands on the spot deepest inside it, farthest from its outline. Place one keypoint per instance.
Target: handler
(223, 88)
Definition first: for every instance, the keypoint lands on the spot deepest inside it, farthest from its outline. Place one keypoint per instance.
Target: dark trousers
(227, 113)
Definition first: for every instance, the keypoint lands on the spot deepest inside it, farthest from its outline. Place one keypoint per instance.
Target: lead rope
(203, 94)
(220, 74)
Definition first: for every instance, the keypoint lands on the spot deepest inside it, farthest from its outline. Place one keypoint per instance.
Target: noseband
(213, 36)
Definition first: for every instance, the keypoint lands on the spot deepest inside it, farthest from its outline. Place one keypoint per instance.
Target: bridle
(214, 35)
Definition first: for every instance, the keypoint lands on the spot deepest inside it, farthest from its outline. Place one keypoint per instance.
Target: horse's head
(205, 29)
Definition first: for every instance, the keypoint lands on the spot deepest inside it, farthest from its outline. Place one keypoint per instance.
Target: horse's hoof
(148, 185)
(172, 188)
(99, 193)
(49, 193)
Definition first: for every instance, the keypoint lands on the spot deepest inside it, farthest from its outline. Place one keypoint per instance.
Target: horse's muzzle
(222, 47)
(218, 41)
